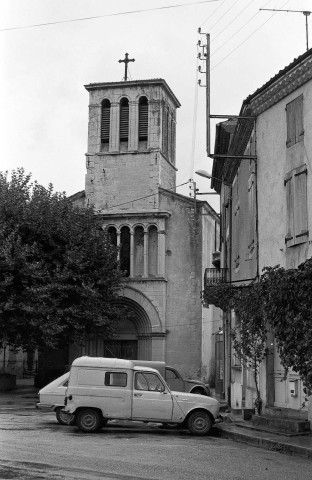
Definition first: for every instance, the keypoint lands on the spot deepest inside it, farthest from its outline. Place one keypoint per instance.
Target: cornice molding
(280, 89)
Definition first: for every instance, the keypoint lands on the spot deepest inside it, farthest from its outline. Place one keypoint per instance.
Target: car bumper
(45, 407)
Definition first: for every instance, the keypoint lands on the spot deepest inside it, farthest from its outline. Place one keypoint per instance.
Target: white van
(102, 389)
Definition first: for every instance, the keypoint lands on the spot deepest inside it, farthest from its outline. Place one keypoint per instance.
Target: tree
(59, 275)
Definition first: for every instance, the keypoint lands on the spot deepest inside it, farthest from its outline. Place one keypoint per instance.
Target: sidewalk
(25, 395)
(232, 427)
(239, 430)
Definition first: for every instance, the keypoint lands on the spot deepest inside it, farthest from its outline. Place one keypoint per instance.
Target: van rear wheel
(89, 420)
(199, 423)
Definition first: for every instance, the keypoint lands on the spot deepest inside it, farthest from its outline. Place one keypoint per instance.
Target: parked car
(52, 397)
(174, 378)
(101, 389)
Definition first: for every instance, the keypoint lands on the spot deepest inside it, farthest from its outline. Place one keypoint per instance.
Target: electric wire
(222, 16)
(146, 196)
(244, 41)
(232, 20)
(238, 31)
(212, 14)
(194, 130)
(130, 12)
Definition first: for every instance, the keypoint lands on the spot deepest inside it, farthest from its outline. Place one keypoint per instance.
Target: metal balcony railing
(215, 275)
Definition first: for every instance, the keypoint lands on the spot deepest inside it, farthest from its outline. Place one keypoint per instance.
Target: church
(165, 239)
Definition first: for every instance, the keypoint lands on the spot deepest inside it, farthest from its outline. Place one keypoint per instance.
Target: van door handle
(138, 394)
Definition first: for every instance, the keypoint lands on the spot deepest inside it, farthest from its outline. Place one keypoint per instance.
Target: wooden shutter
(300, 206)
(143, 118)
(105, 121)
(296, 205)
(294, 116)
(124, 120)
(289, 239)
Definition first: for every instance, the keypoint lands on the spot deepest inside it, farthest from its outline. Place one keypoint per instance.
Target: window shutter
(300, 206)
(290, 211)
(294, 118)
(105, 121)
(143, 118)
(124, 120)
(296, 204)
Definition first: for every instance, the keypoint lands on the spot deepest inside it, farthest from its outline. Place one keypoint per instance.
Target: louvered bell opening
(143, 118)
(105, 121)
(124, 120)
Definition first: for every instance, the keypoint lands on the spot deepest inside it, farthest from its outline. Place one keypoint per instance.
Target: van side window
(171, 374)
(149, 382)
(115, 379)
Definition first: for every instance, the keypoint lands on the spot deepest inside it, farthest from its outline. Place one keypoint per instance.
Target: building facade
(165, 239)
(266, 220)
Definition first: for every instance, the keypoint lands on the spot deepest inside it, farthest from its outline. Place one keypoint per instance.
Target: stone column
(131, 253)
(161, 253)
(133, 126)
(114, 127)
(94, 128)
(145, 268)
(118, 245)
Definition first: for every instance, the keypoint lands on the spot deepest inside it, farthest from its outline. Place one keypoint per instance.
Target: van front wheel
(199, 423)
(89, 420)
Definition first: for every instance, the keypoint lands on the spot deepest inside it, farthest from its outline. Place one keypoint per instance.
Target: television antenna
(306, 13)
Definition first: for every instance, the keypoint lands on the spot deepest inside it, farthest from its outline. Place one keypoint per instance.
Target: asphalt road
(34, 446)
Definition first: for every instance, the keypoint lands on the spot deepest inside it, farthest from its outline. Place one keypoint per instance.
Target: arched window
(105, 124)
(143, 119)
(125, 250)
(124, 121)
(139, 251)
(112, 233)
(152, 251)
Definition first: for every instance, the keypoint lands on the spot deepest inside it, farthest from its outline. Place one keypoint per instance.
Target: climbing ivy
(280, 301)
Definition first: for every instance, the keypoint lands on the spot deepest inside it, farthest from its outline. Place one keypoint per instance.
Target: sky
(43, 102)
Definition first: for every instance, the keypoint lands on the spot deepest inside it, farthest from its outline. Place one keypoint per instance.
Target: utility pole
(306, 13)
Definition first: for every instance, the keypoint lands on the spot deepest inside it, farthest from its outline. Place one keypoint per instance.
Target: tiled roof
(282, 72)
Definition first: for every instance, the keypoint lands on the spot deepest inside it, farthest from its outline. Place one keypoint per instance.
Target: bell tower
(131, 145)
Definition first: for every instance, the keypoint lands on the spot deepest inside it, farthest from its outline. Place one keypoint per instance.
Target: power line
(238, 31)
(244, 41)
(221, 17)
(146, 196)
(212, 14)
(232, 20)
(130, 12)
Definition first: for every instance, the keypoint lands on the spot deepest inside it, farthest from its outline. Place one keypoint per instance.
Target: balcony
(215, 275)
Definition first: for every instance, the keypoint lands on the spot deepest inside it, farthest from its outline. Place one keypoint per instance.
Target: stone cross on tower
(126, 61)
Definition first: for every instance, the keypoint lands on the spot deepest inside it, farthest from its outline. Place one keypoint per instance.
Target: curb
(266, 443)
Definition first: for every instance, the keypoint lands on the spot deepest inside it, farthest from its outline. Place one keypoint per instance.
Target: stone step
(282, 424)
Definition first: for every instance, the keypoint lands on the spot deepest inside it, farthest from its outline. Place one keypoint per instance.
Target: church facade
(165, 239)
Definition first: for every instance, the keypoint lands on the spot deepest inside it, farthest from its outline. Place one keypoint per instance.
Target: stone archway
(140, 336)
(145, 325)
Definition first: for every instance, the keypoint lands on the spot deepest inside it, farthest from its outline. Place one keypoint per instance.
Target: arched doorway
(140, 335)
(134, 340)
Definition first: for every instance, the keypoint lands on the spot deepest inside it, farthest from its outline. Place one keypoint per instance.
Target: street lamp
(205, 174)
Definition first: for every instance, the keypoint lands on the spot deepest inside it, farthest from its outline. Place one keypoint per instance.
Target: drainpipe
(228, 319)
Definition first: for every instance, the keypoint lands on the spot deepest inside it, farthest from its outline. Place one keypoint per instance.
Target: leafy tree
(59, 274)
(281, 301)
